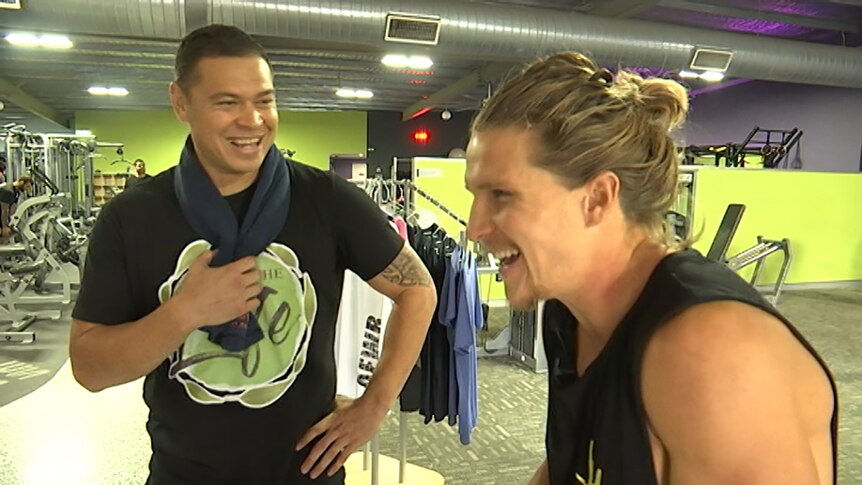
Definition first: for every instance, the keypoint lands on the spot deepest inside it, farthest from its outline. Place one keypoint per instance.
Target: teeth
(245, 141)
(506, 254)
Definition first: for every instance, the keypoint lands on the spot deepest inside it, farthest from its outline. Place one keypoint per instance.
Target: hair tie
(603, 77)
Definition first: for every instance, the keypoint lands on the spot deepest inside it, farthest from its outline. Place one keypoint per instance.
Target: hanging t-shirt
(401, 226)
(362, 319)
(431, 245)
(463, 316)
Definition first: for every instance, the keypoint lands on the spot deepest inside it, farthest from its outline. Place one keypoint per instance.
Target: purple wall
(830, 118)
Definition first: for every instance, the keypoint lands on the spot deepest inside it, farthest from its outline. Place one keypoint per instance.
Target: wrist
(376, 402)
(177, 311)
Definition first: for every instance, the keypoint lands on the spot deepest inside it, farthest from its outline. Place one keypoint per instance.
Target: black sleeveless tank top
(597, 426)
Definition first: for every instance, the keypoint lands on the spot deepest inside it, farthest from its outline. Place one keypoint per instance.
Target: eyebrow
(481, 185)
(268, 92)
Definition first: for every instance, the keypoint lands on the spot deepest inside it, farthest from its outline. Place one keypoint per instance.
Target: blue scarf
(210, 216)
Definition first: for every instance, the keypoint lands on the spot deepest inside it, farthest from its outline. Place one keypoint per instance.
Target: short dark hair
(140, 160)
(213, 41)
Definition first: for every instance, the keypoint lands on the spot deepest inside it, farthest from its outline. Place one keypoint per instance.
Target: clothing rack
(434, 201)
(385, 192)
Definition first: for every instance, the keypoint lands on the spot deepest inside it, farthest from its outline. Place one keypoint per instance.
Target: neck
(229, 184)
(614, 286)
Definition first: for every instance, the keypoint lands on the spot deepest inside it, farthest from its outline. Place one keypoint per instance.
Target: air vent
(11, 4)
(711, 60)
(412, 29)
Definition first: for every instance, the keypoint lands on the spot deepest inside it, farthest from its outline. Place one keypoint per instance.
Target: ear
(602, 193)
(179, 102)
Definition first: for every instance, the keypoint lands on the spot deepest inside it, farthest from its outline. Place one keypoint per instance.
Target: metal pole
(375, 460)
(402, 447)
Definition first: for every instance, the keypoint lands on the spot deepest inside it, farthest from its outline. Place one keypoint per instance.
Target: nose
(250, 116)
(479, 225)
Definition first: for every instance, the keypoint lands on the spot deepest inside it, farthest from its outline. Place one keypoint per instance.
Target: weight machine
(26, 266)
(754, 255)
(58, 163)
(771, 145)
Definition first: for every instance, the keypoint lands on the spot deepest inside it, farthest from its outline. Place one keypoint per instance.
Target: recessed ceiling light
(103, 91)
(394, 60)
(354, 93)
(688, 75)
(45, 40)
(712, 76)
(412, 62)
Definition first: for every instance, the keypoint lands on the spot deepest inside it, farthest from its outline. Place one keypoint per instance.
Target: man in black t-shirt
(9, 201)
(251, 400)
(140, 176)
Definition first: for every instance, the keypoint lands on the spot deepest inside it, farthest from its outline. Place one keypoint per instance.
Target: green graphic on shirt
(259, 375)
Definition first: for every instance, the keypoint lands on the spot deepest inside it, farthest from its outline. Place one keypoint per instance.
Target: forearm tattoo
(407, 270)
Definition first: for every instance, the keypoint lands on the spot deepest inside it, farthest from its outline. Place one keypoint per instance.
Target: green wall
(315, 135)
(817, 211)
(157, 136)
(443, 179)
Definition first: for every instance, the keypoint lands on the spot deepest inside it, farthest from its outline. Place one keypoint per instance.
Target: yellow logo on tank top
(594, 473)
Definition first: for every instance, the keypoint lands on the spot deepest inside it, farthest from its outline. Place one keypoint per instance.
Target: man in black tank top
(664, 367)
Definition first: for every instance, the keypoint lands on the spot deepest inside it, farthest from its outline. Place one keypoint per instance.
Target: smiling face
(230, 108)
(524, 215)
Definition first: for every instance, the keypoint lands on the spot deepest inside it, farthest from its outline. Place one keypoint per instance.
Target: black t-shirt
(433, 246)
(8, 196)
(221, 417)
(134, 180)
(598, 420)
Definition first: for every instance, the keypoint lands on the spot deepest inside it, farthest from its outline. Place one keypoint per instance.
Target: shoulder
(307, 173)
(144, 197)
(724, 379)
(705, 345)
(326, 185)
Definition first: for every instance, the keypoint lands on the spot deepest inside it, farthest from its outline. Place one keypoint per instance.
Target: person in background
(664, 367)
(140, 176)
(2, 169)
(9, 203)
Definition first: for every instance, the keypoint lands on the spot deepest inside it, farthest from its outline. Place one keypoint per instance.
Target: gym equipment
(679, 216)
(57, 162)
(753, 255)
(50, 229)
(26, 266)
(527, 344)
(726, 231)
(772, 147)
(757, 254)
